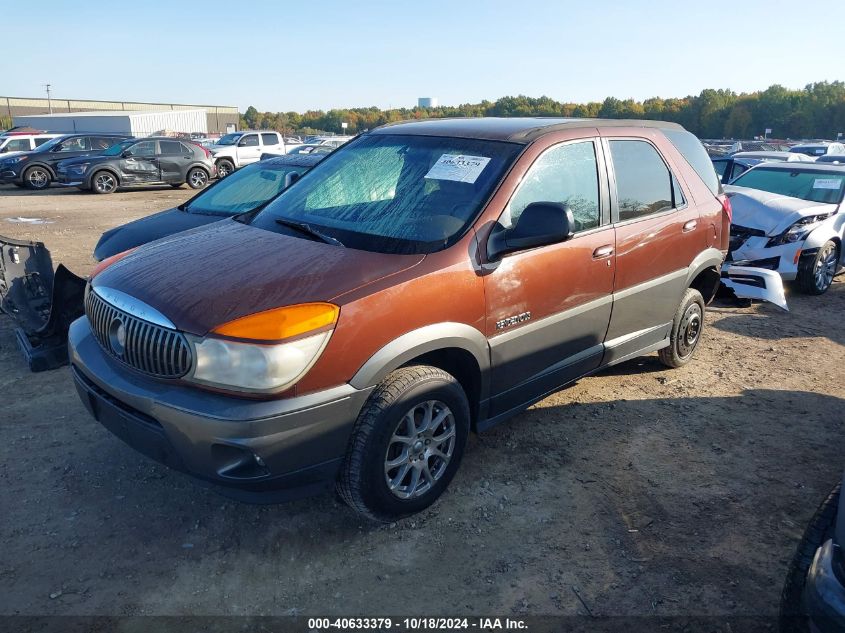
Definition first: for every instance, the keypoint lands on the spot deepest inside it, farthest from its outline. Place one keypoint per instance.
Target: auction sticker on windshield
(458, 167)
(827, 183)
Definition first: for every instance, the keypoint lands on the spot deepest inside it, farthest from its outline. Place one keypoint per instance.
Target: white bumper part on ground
(756, 283)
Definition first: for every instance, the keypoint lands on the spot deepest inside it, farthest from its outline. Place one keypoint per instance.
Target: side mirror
(540, 224)
(291, 178)
(126, 153)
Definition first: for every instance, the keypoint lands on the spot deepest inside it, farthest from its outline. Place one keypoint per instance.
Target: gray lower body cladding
(254, 446)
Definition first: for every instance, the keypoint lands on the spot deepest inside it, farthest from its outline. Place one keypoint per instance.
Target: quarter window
(643, 182)
(270, 139)
(567, 174)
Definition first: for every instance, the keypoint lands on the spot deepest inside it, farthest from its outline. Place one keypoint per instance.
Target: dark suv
(37, 169)
(424, 280)
(140, 161)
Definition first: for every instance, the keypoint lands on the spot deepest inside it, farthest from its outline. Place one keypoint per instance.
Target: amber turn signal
(281, 323)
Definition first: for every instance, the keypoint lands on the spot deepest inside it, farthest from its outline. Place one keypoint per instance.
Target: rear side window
(270, 139)
(567, 174)
(171, 147)
(643, 182)
(694, 153)
(40, 140)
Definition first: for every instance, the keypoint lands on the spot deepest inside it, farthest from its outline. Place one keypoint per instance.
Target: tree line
(815, 111)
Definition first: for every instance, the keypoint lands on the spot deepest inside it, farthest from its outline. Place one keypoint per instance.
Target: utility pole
(49, 103)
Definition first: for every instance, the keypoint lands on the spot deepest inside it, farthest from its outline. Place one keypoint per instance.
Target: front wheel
(687, 327)
(815, 274)
(197, 178)
(224, 167)
(406, 445)
(104, 182)
(36, 178)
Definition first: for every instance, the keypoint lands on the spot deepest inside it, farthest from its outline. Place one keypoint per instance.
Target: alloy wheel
(198, 178)
(38, 178)
(826, 267)
(420, 449)
(105, 183)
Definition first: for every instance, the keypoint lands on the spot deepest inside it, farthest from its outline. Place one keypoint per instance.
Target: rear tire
(815, 274)
(37, 178)
(793, 616)
(687, 327)
(197, 178)
(407, 444)
(224, 167)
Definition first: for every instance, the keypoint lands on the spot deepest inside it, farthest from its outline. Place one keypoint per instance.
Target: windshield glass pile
(813, 186)
(395, 193)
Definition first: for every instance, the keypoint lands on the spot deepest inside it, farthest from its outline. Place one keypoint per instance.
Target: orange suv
(425, 280)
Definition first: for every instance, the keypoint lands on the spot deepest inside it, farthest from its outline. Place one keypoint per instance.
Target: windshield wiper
(307, 229)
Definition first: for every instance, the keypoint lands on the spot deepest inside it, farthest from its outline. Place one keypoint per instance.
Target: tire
(792, 614)
(197, 178)
(37, 178)
(406, 402)
(177, 185)
(104, 182)
(815, 274)
(224, 167)
(18, 184)
(687, 327)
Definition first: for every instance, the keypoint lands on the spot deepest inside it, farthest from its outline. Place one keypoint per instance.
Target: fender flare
(430, 338)
(708, 258)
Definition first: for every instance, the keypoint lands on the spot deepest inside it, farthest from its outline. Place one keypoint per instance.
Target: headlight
(798, 231)
(281, 346)
(13, 161)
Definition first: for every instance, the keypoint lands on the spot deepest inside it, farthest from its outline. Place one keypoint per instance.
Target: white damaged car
(789, 218)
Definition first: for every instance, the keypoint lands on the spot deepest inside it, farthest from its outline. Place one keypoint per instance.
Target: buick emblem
(117, 336)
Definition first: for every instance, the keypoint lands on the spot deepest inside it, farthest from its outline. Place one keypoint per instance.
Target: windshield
(813, 186)
(117, 148)
(394, 193)
(243, 190)
(229, 139)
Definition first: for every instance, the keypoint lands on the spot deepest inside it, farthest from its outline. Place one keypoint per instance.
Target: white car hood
(770, 212)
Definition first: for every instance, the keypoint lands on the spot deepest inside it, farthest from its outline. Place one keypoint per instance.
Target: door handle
(690, 226)
(603, 251)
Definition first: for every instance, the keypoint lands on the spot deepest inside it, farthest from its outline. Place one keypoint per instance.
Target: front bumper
(824, 595)
(258, 450)
(754, 252)
(9, 176)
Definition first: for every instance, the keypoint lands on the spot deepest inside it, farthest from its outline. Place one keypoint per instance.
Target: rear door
(249, 149)
(174, 161)
(548, 308)
(141, 164)
(270, 141)
(658, 234)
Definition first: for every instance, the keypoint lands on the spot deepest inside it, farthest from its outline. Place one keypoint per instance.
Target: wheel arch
(98, 169)
(704, 273)
(46, 166)
(456, 348)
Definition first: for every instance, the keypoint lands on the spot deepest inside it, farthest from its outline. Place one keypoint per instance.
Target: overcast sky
(322, 54)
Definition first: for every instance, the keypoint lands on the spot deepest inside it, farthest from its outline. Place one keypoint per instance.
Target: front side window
(567, 174)
(143, 149)
(243, 190)
(17, 145)
(269, 139)
(229, 139)
(643, 182)
(813, 186)
(250, 140)
(78, 144)
(720, 166)
(395, 193)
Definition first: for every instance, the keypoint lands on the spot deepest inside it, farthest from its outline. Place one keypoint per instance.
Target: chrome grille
(149, 348)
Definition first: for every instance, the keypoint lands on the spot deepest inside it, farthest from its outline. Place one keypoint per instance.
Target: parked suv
(23, 141)
(140, 161)
(424, 280)
(37, 169)
(237, 149)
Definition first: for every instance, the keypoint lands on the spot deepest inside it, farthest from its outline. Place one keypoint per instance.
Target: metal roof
(516, 129)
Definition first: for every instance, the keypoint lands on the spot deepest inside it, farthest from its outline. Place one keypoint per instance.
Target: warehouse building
(219, 119)
(138, 123)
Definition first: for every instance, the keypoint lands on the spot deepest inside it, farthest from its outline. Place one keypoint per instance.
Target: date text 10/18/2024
(413, 624)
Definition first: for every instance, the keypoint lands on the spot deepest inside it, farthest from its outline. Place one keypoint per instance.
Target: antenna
(49, 103)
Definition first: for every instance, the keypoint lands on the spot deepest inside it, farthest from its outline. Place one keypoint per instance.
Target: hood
(5, 155)
(770, 212)
(226, 270)
(149, 229)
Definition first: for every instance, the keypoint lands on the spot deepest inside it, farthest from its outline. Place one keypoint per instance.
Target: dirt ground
(645, 490)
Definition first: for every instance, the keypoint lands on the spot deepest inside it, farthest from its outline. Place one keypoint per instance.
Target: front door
(249, 151)
(548, 308)
(141, 163)
(658, 234)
